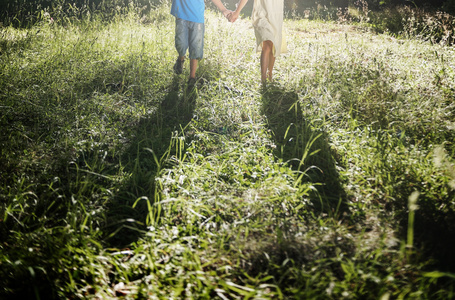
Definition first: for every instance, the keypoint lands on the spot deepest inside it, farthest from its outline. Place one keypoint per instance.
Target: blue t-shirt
(189, 10)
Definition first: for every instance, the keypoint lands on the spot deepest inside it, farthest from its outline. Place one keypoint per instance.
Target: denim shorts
(189, 35)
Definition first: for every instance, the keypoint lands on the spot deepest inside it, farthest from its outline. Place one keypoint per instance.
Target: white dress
(267, 20)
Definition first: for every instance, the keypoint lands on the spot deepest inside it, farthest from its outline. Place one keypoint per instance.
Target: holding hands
(230, 15)
(227, 13)
(233, 16)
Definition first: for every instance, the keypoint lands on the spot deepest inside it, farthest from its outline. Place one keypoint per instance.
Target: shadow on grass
(378, 108)
(435, 232)
(153, 137)
(434, 223)
(304, 147)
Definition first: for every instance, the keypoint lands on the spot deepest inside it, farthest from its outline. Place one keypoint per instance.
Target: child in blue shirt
(189, 32)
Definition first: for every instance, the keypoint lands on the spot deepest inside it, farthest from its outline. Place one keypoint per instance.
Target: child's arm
(235, 15)
(221, 7)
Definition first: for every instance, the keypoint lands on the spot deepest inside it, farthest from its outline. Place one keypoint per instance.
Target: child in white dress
(267, 20)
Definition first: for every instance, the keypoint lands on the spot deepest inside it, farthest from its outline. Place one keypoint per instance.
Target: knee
(267, 46)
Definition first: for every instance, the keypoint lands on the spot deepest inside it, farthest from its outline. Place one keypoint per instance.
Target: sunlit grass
(117, 182)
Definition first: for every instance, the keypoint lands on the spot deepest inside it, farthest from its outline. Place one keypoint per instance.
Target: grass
(116, 182)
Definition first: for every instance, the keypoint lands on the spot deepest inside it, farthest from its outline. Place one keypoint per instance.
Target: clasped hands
(232, 16)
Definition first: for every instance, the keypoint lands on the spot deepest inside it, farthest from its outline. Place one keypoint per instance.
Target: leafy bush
(405, 21)
(388, 20)
(23, 13)
(449, 6)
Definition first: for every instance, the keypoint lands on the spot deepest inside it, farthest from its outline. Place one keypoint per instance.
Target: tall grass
(116, 182)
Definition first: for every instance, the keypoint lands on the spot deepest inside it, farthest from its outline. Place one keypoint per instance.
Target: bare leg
(193, 67)
(271, 64)
(267, 61)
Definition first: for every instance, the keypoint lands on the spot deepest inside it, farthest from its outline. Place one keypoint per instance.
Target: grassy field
(116, 181)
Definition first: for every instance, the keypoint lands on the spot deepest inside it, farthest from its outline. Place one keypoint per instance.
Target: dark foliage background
(23, 13)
